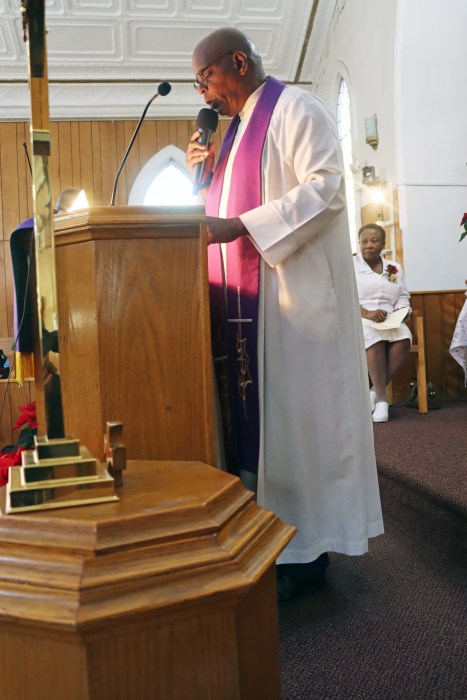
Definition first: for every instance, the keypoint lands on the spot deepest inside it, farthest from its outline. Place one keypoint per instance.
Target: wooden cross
(115, 451)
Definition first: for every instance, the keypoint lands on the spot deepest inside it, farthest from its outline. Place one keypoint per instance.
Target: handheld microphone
(206, 123)
(163, 89)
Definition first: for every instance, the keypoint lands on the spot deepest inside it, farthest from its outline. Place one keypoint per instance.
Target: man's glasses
(201, 79)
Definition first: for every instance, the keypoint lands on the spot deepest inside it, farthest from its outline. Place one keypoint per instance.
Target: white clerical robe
(317, 466)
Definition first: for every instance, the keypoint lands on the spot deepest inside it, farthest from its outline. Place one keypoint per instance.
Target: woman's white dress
(378, 291)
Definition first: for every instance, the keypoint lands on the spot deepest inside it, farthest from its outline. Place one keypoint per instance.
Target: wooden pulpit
(134, 329)
(168, 593)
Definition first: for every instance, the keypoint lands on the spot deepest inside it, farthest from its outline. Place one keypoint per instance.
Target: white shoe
(381, 412)
(372, 399)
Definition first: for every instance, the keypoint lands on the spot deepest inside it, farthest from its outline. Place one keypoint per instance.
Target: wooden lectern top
(128, 221)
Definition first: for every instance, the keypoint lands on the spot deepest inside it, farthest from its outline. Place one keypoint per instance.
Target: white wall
(361, 49)
(406, 61)
(431, 132)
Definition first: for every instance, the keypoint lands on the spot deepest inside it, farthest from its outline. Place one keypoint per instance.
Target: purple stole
(234, 305)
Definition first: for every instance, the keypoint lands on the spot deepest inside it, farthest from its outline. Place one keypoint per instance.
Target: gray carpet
(392, 624)
(427, 453)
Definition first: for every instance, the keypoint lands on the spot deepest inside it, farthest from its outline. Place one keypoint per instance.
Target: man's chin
(220, 109)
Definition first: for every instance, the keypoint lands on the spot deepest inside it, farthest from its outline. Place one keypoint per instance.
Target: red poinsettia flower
(28, 416)
(7, 460)
(464, 224)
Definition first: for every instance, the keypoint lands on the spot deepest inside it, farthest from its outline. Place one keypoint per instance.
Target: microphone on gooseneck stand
(163, 89)
(206, 123)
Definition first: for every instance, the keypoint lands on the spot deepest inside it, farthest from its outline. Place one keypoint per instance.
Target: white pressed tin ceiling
(106, 57)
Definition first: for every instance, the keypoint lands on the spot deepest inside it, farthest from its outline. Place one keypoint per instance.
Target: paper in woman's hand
(393, 320)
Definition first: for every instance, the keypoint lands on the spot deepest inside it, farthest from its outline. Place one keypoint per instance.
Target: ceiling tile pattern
(126, 43)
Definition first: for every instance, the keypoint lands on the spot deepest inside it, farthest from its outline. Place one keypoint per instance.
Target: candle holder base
(58, 473)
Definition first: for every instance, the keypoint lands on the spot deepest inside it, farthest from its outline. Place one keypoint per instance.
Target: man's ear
(240, 61)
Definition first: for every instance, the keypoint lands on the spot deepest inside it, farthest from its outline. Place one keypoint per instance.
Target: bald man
(275, 197)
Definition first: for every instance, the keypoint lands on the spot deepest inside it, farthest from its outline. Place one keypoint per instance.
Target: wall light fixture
(371, 131)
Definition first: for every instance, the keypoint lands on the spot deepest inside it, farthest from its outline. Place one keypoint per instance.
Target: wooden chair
(418, 347)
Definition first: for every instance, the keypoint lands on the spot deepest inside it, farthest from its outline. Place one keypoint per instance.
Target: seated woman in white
(381, 290)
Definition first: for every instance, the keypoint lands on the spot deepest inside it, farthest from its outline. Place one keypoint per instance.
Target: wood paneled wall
(440, 311)
(86, 155)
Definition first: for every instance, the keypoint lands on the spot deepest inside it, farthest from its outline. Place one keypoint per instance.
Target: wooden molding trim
(439, 291)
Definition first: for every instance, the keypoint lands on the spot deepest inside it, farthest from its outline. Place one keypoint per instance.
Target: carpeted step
(422, 463)
(390, 625)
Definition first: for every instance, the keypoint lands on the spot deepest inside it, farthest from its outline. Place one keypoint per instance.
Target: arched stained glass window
(344, 128)
(164, 180)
